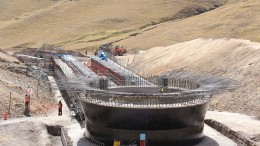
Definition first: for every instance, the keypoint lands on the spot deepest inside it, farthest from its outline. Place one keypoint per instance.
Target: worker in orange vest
(5, 116)
(27, 101)
(60, 108)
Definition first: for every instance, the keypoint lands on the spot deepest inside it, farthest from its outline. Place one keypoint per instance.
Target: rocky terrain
(15, 79)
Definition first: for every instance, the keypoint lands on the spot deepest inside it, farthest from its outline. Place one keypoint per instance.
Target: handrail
(147, 102)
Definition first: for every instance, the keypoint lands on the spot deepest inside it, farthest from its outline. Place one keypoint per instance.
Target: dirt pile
(226, 58)
(15, 79)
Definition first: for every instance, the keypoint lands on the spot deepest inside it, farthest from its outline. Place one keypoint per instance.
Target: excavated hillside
(226, 58)
(77, 24)
(14, 81)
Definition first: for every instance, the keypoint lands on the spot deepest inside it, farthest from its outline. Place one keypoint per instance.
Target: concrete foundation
(165, 126)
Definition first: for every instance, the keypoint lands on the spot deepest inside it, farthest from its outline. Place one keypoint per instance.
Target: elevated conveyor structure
(71, 73)
(118, 74)
(78, 67)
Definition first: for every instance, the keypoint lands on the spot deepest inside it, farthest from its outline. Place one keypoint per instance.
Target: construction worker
(103, 56)
(5, 116)
(60, 108)
(27, 101)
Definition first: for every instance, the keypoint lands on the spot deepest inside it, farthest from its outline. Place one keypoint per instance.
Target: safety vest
(27, 99)
(5, 116)
(60, 105)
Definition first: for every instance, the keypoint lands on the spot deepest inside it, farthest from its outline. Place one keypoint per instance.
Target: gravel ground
(23, 133)
(31, 131)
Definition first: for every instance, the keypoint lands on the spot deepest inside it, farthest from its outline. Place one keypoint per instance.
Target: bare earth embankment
(15, 79)
(227, 58)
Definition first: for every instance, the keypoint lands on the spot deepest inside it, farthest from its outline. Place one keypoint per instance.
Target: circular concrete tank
(166, 120)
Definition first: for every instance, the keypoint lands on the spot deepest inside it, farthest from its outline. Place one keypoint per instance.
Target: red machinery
(119, 51)
(103, 70)
(116, 51)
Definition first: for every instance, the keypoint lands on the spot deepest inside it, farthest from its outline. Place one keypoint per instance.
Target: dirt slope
(14, 9)
(227, 58)
(89, 23)
(78, 24)
(15, 80)
(236, 19)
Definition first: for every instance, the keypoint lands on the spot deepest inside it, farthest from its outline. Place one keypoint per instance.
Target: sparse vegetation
(79, 24)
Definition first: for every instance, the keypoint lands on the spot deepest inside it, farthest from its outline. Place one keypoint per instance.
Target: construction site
(129, 73)
(113, 105)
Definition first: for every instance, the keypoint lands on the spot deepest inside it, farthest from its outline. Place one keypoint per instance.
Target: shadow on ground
(207, 141)
(82, 142)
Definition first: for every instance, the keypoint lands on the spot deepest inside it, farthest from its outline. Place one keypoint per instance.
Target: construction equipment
(115, 51)
(106, 48)
(119, 51)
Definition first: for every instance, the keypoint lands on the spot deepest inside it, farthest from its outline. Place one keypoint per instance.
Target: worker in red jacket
(60, 108)
(5, 116)
(27, 100)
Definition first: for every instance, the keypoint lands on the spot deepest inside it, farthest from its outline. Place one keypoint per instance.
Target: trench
(58, 135)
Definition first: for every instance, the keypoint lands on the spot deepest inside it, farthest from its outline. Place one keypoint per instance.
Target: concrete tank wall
(175, 125)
